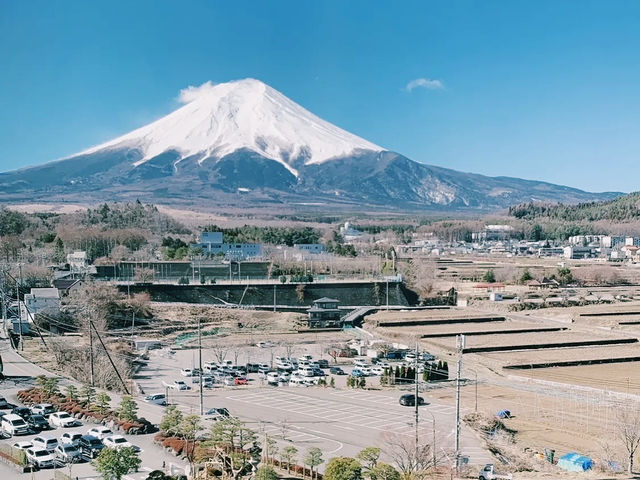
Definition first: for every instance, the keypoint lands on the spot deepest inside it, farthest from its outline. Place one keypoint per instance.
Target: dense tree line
(12, 223)
(132, 215)
(267, 235)
(622, 209)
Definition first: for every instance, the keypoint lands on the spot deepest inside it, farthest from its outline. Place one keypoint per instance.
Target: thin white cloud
(424, 83)
(192, 93)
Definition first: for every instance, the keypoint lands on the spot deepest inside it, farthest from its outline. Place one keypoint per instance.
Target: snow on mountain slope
(218, 120)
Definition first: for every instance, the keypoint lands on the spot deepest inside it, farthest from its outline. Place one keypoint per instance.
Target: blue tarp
(504, 414)
(575, 462)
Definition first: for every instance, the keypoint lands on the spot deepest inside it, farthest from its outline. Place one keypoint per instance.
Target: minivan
(46, 442)
(14, 425)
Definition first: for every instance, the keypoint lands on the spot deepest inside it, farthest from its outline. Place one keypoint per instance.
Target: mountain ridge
(247, 142)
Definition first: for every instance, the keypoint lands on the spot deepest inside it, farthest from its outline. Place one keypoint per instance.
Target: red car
(240, 381)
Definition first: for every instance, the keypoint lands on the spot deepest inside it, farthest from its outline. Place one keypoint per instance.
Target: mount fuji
(244, 142)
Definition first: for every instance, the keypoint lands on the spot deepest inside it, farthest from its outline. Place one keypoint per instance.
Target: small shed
(574, 462)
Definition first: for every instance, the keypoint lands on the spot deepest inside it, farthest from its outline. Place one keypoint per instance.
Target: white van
(14, 425)
(306, 371)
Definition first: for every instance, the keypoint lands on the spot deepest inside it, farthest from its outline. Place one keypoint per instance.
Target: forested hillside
(622, 209)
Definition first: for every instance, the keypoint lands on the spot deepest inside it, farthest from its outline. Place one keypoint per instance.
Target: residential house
(324, 313)
(212, 243)
(40, 300)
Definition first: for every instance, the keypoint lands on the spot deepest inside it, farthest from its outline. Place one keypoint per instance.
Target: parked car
(45, 441)
(323, 363)
(14, 425)
(240, 381)
(23, 412)
(90, 446)
(264, 368)
(68, 453)
(156, 399)
(217, 414)
(337, 371)
(186, 372)
(118, 441)
(409, 400)
(100, 432)
(38, 423)
(70, 438)
(40, 457)
(376, 370)
(360, 362)
(272, 378)
(297, 380)
(229, 381)
(22, 445)
(44, 409)
(356, 372)
(318, 372)
(63, 419)
(310, 381)
(3, 402)
(252, 367)
(177, 385)
(284, 376)
(264, 344)
(490, 473)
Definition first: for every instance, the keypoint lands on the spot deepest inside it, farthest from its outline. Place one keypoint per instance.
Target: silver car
(68, 453)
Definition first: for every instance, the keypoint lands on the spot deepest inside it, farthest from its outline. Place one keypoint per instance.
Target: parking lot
(340, 421)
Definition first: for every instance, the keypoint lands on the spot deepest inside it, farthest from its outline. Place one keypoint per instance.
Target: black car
(252, 367)
(90, 446)
(38, 423)
(323, 363)
(337, 371)
(409, 400)
(22, 412)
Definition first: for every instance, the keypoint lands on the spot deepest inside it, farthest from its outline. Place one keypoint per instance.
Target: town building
(78, 261)
(310, 247)
(40, 300)
(349, 233)
(212, 243)
(324, 313)
(493, 233)
(574, 252)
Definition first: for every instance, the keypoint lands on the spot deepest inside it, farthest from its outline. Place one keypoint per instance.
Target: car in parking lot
(337, 371)
(14, 425)
(156, 399)
(377, 370)
(23, 412)
(217, 414)
(22, 445)
(360, 362)
(63, 419)
(177, 385)
(37, 423)
(44, 409)
(409, 400)
(356, 372)
(284, 376)
(70, 438)
(240, 381)
(40, 457)
(264, 368)
(3, 402)
(323, 363)
(186, 372)
(100, 432)
(68, 453)
(252, 367)
(297, 380)
(272, 378)
(118, 441)
(45, 441)
(90, 446)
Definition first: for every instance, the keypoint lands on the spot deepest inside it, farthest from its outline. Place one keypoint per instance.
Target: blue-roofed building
(212, 243)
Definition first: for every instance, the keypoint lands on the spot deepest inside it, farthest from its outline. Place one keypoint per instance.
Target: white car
(100, 432)
(118, 441)
(264, 344)
(296, 380)
(177, 385)
(156, 399)
(22, 445)
(186, 372)
(70, 438)
(272, 378)
(377, 370)
(360, 362)
(310, 381)
(284, 365)
(63, 419)
(383, 365)
(40, 457)
(284, 376)
(44, 409)
(68, 453)
(46, 442)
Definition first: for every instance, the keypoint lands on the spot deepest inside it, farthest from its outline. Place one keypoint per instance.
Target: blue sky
(544, 90)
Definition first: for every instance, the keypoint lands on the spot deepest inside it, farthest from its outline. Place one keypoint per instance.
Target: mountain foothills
(243, 142)
(622, 209)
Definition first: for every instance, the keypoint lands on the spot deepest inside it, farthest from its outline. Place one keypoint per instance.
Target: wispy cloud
(424, 83)
(192, 93)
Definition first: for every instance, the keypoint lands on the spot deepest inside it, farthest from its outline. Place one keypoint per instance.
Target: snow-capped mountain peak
(217, 120)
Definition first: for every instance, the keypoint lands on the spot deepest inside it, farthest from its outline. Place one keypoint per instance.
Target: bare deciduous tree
(628, 430)
(413, 461)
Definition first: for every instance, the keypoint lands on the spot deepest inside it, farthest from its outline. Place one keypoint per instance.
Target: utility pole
(388, 303)
(19, 309)
(91, 353)
(417, 403)
(461, 344)
(274, 297)
(200, 365)
(124, 385)
(433, 429)
(133, 324)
